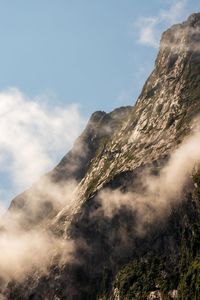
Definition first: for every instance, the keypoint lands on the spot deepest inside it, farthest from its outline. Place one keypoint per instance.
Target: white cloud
(148, 34)
(32, 132)
(150, 28)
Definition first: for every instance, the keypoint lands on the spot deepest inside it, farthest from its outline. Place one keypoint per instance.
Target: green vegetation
(189, 287)
(143, 275)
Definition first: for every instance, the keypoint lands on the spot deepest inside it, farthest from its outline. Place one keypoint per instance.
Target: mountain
(128, 194)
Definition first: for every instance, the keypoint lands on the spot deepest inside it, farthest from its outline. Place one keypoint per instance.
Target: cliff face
(111, 260)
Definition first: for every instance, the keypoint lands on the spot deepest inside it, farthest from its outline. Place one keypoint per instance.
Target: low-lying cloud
(26, 241)
(22, 253)
(160, 192)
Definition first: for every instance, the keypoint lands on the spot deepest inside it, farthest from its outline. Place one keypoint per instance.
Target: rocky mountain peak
(194, 19)
(182, 34)
(179, 43)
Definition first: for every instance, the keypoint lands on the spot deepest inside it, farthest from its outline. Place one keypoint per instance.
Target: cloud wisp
(150, 28)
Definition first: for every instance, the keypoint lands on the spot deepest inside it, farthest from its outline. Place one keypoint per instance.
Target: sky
(60, 61)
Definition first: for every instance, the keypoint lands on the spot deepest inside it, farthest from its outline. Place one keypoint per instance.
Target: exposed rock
(155, 295)
(173, 294)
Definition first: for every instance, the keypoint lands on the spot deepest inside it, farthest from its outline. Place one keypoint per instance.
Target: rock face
(115, 148)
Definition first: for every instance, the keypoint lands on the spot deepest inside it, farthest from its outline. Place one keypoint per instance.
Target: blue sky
(66, 59)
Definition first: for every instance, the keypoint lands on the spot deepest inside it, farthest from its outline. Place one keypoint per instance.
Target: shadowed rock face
(110, 260)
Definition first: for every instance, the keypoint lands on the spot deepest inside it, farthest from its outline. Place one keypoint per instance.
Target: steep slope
(111, 260)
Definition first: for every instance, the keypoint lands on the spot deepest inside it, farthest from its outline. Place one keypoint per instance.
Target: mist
(27, 244)
(160, 193)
